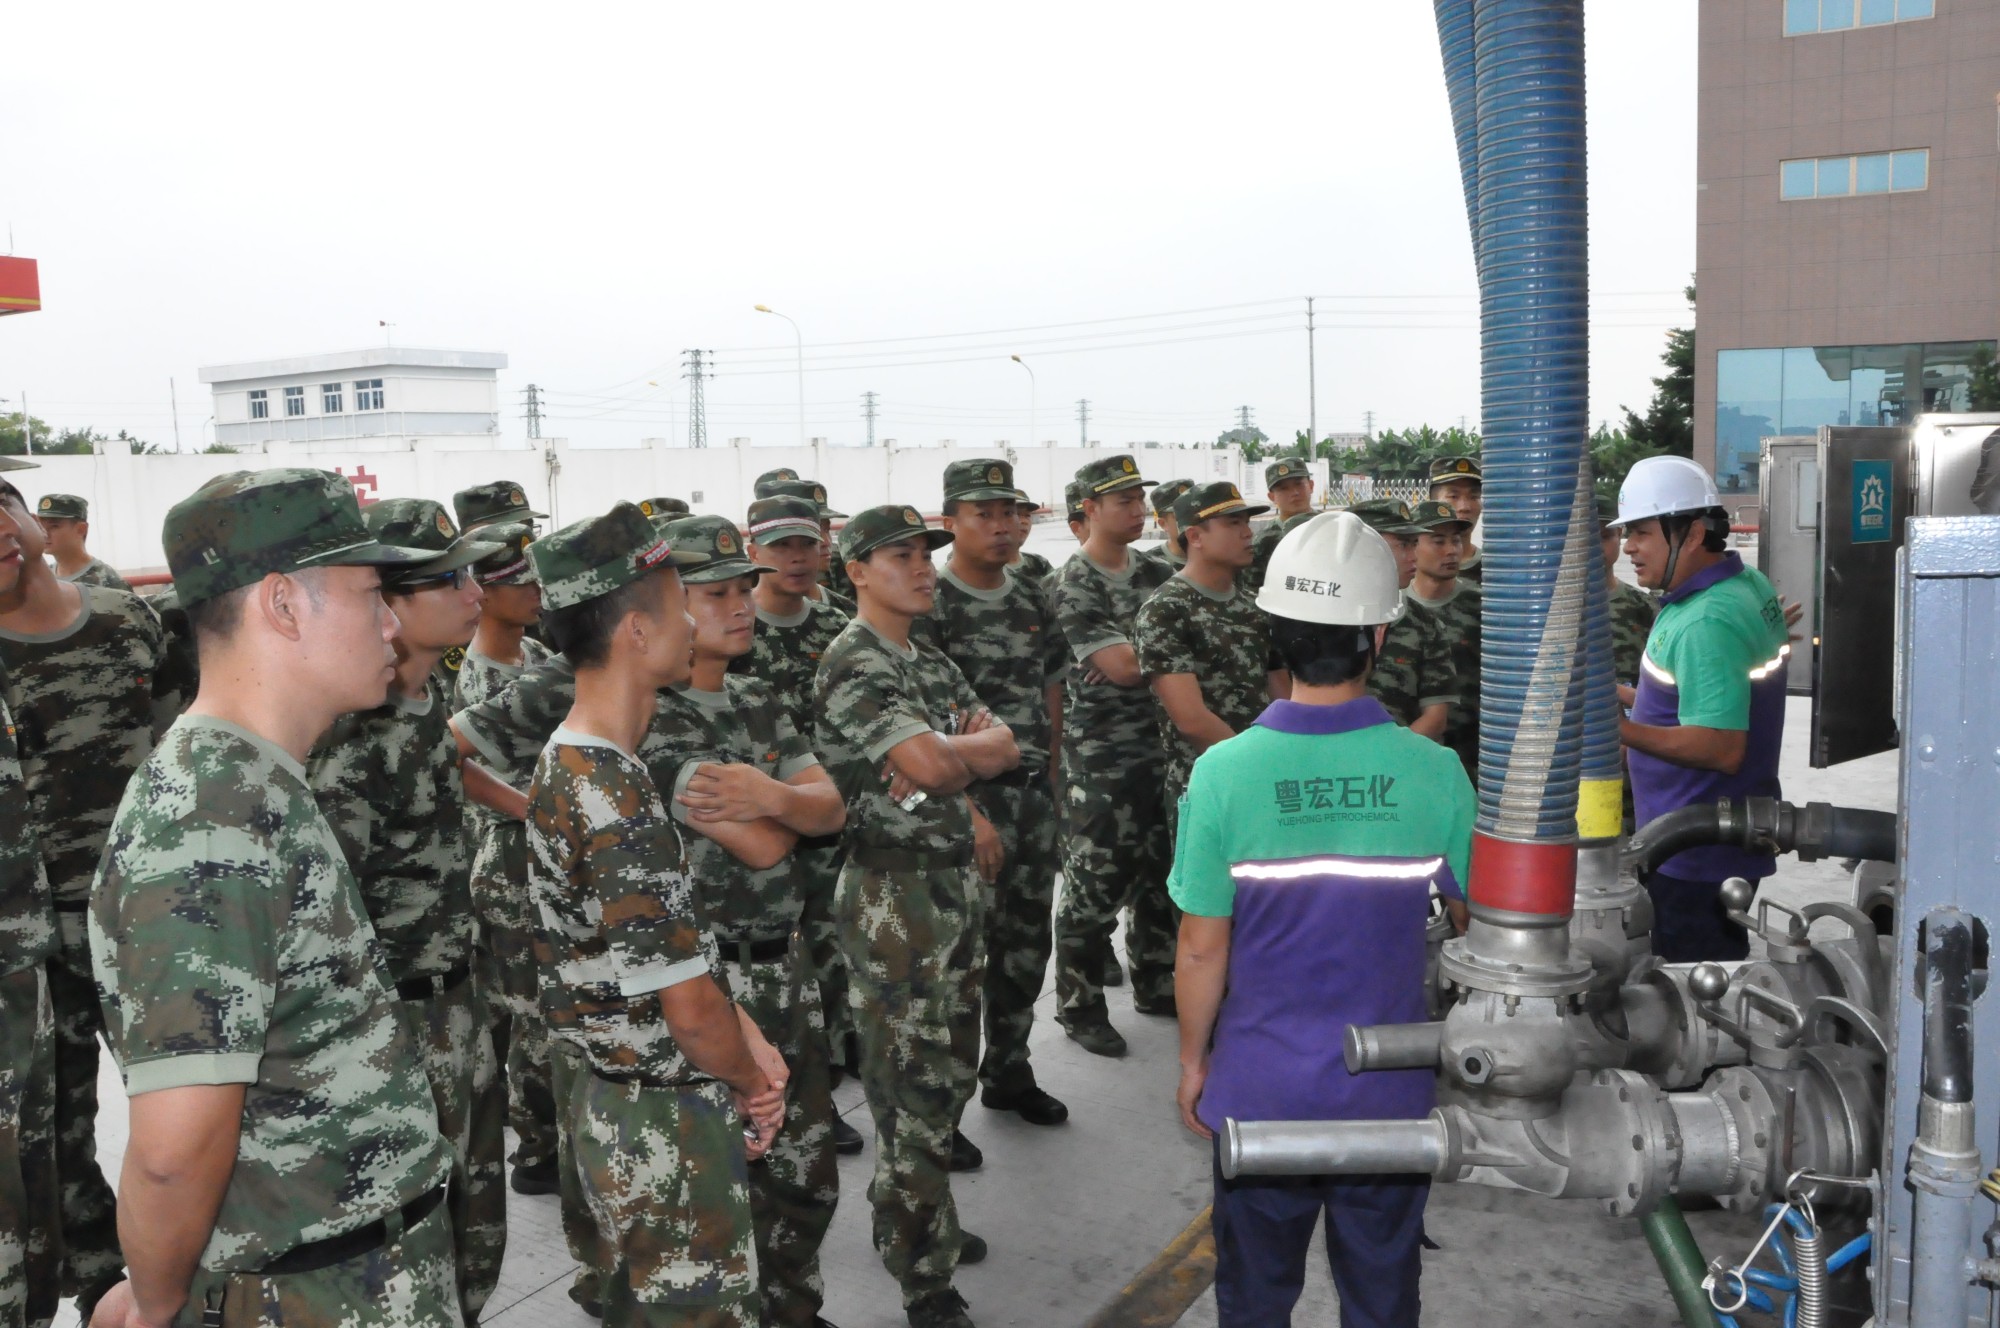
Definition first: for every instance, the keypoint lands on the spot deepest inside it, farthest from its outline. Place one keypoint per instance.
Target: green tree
(14, 431)
(1668, 424)
(1613, 452)
(1984, 389)
(1251, 440)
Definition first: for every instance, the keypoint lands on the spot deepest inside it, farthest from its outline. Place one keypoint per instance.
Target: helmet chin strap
(1674, 542)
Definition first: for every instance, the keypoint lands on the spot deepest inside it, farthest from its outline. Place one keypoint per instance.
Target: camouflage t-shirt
(1223, 640)
(1103, 722)
(85, 710)
(480, 678)
(1413, 670)
(609, 876)
(27, 911)
(509, 728)
(231, 947)
(742, 724)
(786, 652)
(1459, 614)
(870, 696)
(387, 780)
(1035, 567)
(97, 572)
(1632, 614)
(1009, 648)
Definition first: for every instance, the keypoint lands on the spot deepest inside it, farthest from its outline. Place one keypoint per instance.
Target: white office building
(386, 398)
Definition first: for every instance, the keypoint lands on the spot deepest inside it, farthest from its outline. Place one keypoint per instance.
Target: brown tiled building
(1848, 215)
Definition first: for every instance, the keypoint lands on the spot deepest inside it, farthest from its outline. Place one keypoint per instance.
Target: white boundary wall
(129, 495)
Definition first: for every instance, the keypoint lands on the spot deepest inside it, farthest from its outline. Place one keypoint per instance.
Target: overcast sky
(1134, 198)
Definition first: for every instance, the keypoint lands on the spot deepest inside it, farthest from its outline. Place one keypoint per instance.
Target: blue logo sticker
(1874, 489)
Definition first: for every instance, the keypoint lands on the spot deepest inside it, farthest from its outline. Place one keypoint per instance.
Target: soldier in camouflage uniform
(1414, 677)
(180, 674)
(1168, 552)
(1460, 483)
(388, 781)
(498, 502)
(1113, 765)
(904, 735)
(1079, 523)
(1205, 649)
(29, 1206)
(66, 518)
(1455, 603)
(745, 780)
(1289, 483)
(630, 973)
(280, 1121)
(81, 675)
(792, 633)
(1033, 565)
(999, 627)
(832, 576)
(660, 510)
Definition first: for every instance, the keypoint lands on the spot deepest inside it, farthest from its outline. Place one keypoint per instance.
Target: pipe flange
(1558, 982)
(1745, 1098)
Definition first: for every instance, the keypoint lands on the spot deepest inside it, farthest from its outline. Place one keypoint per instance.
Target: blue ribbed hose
(1603, 758)
(1454, 23)
(1539, 526)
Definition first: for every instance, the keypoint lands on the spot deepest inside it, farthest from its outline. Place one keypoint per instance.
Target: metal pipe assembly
(1943, 1168)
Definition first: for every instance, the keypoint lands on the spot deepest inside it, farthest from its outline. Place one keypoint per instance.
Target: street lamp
(1031, 398)
(799, 341)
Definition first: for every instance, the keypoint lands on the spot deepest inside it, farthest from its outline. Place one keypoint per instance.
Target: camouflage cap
(63, 507)
(1021, 499)
(484, 504)
(782, 475)
(510, 566)
(811, 489)
(1291, 468)
(1073, 500)
(979, 479)
(419, 523)
(1108, 475)
(1166, 495)
(596, 556)
(1205, 501)
(773, 519)
(18, 463)
(1433, 515)
(1386, 516)
(891, 524)
(1446, 469)
(240, 527)
(717, 539)
(662, 509)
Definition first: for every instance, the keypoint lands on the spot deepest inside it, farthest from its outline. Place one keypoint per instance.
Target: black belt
(436, 984)
(906, 860)
(352, 1244)
(72, 906)
(748, 950)
(1019, 777)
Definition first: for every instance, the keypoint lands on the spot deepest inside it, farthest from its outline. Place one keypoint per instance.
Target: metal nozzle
(1332, 1148)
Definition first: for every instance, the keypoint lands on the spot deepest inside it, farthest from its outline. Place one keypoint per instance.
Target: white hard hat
(1335, 570)
(1663, 486)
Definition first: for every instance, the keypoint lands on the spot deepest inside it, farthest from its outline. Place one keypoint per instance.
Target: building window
(329, 398)
(260, 404)
(1796, 389)
(295, 401)
(368, 394)
(1842, 177)
(1804, 16)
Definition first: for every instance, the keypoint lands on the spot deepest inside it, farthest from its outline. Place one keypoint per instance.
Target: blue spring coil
(1531, 243)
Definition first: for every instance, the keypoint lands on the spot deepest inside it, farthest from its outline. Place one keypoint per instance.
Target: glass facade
(1839, 177)
(1796, 389)
(1803, 16)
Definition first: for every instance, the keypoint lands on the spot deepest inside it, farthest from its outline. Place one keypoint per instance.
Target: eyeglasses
(453, 580)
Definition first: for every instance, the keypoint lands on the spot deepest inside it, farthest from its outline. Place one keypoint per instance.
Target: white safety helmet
(1333, 570)
(1665, 486)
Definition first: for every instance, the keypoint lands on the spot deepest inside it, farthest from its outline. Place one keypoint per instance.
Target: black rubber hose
(1694, 826)
(1947, 1007)
(1853, 833)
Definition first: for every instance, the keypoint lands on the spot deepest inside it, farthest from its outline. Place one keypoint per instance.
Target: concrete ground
(1073, 1213)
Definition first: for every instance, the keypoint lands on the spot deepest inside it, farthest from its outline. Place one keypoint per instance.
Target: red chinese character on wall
(361, 480)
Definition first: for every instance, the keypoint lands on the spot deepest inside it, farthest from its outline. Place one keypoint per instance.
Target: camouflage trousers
(580, 1233)
(512, 985)
(821, 860)
(663, 1173)
(1117, 855)
(407, 1283)
(795, 1186)
(29, 1208)
(92, 1260)
(1019, 906)
(915, 944)
(458, 1060)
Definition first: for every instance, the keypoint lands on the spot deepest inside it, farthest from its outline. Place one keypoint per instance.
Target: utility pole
(174, 401)
(27, 424)
(1083, 421)
(1243, 417)
(1312, 384)
(534, 395)
(697, 370)
(868, 413)
(1368, 423)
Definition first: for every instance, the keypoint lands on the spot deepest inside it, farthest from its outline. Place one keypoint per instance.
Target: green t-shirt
(1716, 645)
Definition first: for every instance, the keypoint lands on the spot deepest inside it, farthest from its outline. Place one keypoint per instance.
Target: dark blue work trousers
(1689, 924)
(1374, 1244)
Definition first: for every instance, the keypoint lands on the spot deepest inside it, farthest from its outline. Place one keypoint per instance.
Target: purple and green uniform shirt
(1717, 659)
(1320, 832)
